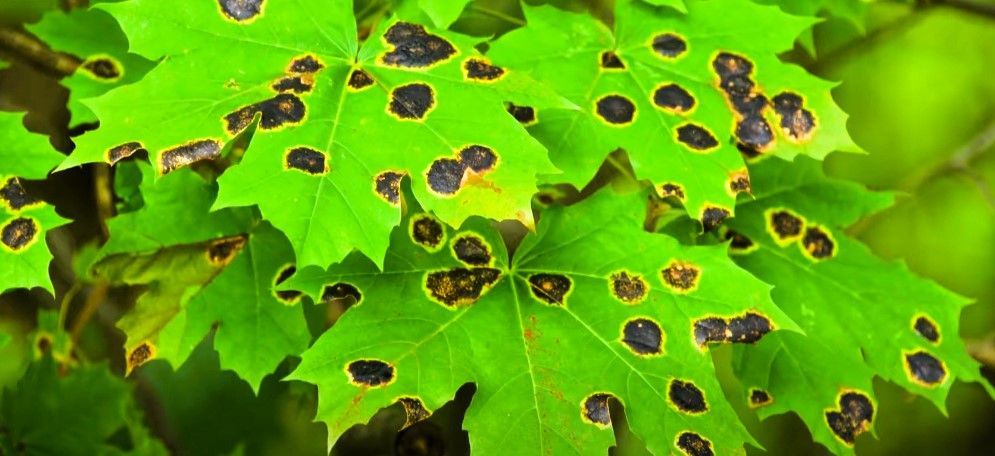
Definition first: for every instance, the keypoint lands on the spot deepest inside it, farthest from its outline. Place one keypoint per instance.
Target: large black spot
(445, 176)
(759, 397)
(360, 79)
(925, 368)
(339, 291)
(388, 185)
(696, 137)
(785, 224)
(241, 10)
(711, 329)
(525, 115)
(296, 84)
(841, 426)
(712, 217)
(643, 336)
(738, 241)
(414, 47)
(628, 288)
(550, 288)
(694, 445)
(687, 397)
(427, 231)
(14, 195)
(103, 68)
(596, 409)
(681, 276)
(852, 418)
(370, 372)
(180, 156)
(796, 121)
(615, 109)
(472, 250)
(305, 64)
(460, 286)
(18, 233)
(283, 109)
(927, 329)
(857, 407)
(818, 243)
(669, 45)
(673, 97)
(728, 66)
(481, 70)
(610, 60)
(749, 328)
(750, 104)
(412, 101)
(754, 132)
(478, 158)
(307, 160)
(118, 153)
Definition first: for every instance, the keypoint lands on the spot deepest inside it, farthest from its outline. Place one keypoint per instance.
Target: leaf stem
(31, 50)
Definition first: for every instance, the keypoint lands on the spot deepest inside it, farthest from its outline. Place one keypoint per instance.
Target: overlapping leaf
(677, 92)
(340, 123)
(592, 309)
(852, 11)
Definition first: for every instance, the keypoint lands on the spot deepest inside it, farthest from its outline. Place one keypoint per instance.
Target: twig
(36, 53)
(983, 351)
(93, 300)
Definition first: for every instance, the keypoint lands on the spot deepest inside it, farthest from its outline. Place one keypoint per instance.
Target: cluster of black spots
(103, 68)
(696, 137)
(118, 153)
(738, 241)
(681, 276)
(693, 444)
(306, 160)
(628, 288)
(643, 336)
(14, 195)
(427, 231)
(595, 409)
(672, 189)
(296, 84)
(818, 244)
(140, 355)
(412, 101)
(785, 225)
(712, 217)
(370, 372)
(853, 417)
(927, 329)
(481, 70)
(472, 250)
(669, 45)
(287, 296)
(739, 182)
(339, 291)
(283, 109)
(687, 397)
(615, 109)
(359, 79)
(19, 233)
(307, 64)
(611, 61)
(186, 154)
(388, 185)
(221, 251)
(414, 411)
(445, 175)
(674, 98)
(759, 398)
(241, 10)
(746, 329)
(414, 47)
(526, 115)
(753, 133)
(925, 369)
(460, 286)
(550, 288)
(796, 121)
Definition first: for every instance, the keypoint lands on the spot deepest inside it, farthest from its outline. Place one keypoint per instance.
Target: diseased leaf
(24, 222)
(591, 309)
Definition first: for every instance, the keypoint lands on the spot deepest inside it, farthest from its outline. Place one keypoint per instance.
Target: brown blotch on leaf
(370, 372)
(739, 181)
(103, 68)
(283, 109)
(818, 243)
(460, 286)
(414, 47)
(643, 336)
(926, 328)
(140, 355)
(411, 101)
(427, 231)
(759, 398)
(296, 84)
(388, 186)
(669, 45)
(221, 251)
(693, 444)
(925, 368)
(853, 417)
(241, 10)
(672, 189)
(359, 79)
(414, 411)
(526, 115)
(287, 296)
(340, 291)
(478, 158)
(19, 233)
(595, 409)
(728, 65)
(681, 276)
(14, 196)
(472, 250)
(712, 217)
(748, 328)
(445, 176)
(687, 397)
(711, 329)
(615, 109)
(186, 154)
(628, 288)
(696, 137)
(610, 60)
(673, 97)
(738, 241)
(481, 70)
(754, 133)
(118, 153)
(306, 160)
(785, 225)
(550, 288)
(796, 121)
(305, 65)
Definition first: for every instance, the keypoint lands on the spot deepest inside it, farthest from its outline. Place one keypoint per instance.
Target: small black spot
(411, 101)
(18, 233)
(103, 68)
(696, 137)
(753, 131)
(472, 250)
(749, 328)
(414, 411)
(711, 329)
(673, 97)
(14, 195)
(339, 291)
(643, 336)
(481, 70)
(307, 160)
(927, 329)
(370, 372)
(616, 109)
(728, 65)
(550, 288)
(526, 115)
(445, 176)
(628, 288)
(388, 185)
(306, 64)
(221, 251)
(687, 397)
(596, 409)
(360, 79)
(796, 121)
(180, 156)
(739, 241)
(427, 231)
(785, 224)
(925, 368)
(414, 47)
(818, 243)
(241, 10)
(610, 60)
(140, 355)
(296, 84)
(694, 445)
(460, 286)
(283, 109)
(681, 276)
(288, 296)
(118, 153)
(712, 217)
(759, 397)
(669, 45)
(478, 158)
(671, 189)
(739, 182)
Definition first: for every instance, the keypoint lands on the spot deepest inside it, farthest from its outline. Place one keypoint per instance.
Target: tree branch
(38, 54)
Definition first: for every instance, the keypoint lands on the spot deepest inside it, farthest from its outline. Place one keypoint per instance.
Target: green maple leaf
(591, 308)
(651, 87)
(852, 11)
(16, 12)
(341, 123)
(862, 316)
(25, 154)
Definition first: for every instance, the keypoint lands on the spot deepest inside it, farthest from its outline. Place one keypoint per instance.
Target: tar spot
(526, 115)
(643, 336)
(759, 397)
(360, 79)
(681, 276)
(118, 153)
(687, 397)
(615, 109)
(478, 158)
(241, 10)
(818, 244)
(711, 329)
(925, 368)
(388, 185)
(671, 189)
(472, 250)
(307, 160)
(696, 137)
(339, 291)
(283, 109)
(427, 231)
(739, 182)
(180, 156)
(306, 64)
(296, 84)
(287, 296)
(747, 153)
(370, 372)
(14, 195)
(221, 251)
(628, 288)
(728, 66)
(411, 101)
(753, 132)
(785, 225)
(414, 47)
(460, 286)
(19, 233)
(738, 241)
(669, 45)
(414, 411)
(748, 328)
(693, 444)
(841, 426)
(796, 121)
(673, 97)
(550, 288)
(481, 70)
(445, 175)
(103, 68)
(927, 329)
(712, 217)
(140, 355)
(857, 407)
(610, 60)
(750, 104)
(596, 411)
(852, 418)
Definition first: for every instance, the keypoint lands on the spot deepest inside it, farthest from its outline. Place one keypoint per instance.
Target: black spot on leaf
(478, 158)
(925, 369)
(673, 97)
(595, 409)
(414, 411)
(615, 109)
(753, 132)
(283, 109)
(287, 296)
(414, 47)
(739, 181)
(818, 244)
(221, 251)
(669, 45)
(526, 115)
(693, 444)
(306, 160)
(751, 104)
(140, 355)
(853, 417)
(738, 241)
(628, 288)
(296, 84)
(712, 217)
(728, 65)
(926, 328)
(411, 101)
(241, 10)
(305, 65)
(427, 231)
(14, 196)
(104, 68)
(696, 137)
(445, 176)
(550, 288)
(370, 372)
(359, 79)
(711, 329)
(340, 291)
(19, 233)
(481, 70)
(748, 328)
(610, 60)
(118, 153)
(460, 286)
(186, 154)
(759, 397)
(796, 121)
(687, 397)
(472, 250)
(785, 225)
(388, 186)
(681, 276)
(643, 336)
(672, 189)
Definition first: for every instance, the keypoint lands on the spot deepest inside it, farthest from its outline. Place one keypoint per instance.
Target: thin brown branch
(36, 53)
(93, 300)
(983, 351)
